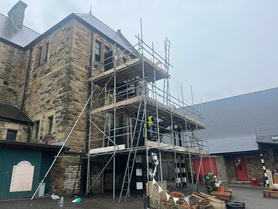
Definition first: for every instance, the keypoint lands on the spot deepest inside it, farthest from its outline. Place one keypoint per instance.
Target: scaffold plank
(164, 111)
(131, 69)
(107, 149)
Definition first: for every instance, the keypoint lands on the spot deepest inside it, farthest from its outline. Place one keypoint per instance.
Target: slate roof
(105, 29)
(235, 124)
(268, 139)
(10, 112)
(21, 37)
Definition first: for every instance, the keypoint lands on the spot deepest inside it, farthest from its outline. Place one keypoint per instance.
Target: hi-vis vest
(150, 120)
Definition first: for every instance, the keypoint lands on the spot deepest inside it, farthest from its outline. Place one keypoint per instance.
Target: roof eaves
(12, 44)
(235, 153)
(11, 144)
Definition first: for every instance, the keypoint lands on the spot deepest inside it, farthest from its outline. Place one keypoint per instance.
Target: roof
(24, 36)
(270, 139)
(21, 37)
(10, 112)
(29, 146)
(106, 30)
(234, 124)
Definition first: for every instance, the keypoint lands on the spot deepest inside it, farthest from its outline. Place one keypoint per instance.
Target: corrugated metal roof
(21, 37)
(233, 124)
(10, 112)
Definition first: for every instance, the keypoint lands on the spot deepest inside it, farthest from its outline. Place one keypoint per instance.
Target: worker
(150, 127)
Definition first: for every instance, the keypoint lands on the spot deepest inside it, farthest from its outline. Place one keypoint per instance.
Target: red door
(205, 168)
(241, 169)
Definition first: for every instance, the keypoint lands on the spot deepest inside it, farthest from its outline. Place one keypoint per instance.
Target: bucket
(41, 190)
(254, 182)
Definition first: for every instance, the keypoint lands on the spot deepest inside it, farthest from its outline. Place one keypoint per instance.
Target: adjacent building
(238, 130)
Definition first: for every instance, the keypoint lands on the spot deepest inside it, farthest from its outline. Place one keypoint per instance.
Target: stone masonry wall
(13, 67)
(57, 89)
(22, 130)
(79, 79)
(231, 169)
(63, 176)
(49, 85)
(254, 167)
(253, 164)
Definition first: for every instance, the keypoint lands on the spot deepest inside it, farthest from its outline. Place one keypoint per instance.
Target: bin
(41, 190)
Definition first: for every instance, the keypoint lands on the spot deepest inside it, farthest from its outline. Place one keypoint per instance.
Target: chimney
(17, 13)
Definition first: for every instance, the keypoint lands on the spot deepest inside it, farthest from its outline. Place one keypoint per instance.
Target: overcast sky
(222, 48)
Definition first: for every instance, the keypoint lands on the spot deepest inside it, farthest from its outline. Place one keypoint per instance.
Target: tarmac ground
(252, 196)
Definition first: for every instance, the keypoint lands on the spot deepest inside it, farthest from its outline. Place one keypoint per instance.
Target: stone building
(48, 79)
(44, 81)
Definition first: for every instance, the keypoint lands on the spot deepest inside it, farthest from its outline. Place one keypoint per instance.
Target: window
(124, 60)
(11, 135)
(275, 153)
(46, 51)
(108, 56)
(106, 49)
(37, 128)
(50, 125)
(39, 55)
(97, 51)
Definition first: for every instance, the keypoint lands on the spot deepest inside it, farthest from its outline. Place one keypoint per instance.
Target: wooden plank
(175, 112)
(270, 193)
(208, 197)
(194, 195)
(118, 105)
(107, 149)
(164, 146)
(131, 69)
(222, 195)
(164, 110)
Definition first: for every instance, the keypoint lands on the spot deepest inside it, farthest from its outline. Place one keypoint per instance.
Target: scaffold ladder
(132, 153)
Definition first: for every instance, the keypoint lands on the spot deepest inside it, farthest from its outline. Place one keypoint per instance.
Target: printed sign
(22, 177)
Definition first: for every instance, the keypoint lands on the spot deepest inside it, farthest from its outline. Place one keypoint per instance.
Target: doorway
(241, 169)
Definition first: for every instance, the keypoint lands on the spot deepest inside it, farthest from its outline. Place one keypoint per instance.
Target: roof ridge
(98, 20)
(240, 95)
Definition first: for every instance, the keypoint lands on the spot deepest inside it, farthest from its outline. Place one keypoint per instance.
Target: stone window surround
(98, 51)
(46, 123)
(12, 130)
(41, 53)
(35, 119)
(14, 127)
(103, 46)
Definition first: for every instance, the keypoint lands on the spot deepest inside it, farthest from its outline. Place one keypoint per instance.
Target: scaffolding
(125, 94)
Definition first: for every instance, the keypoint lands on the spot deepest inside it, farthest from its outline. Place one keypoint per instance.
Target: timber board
(270, 193)
(151, 146)
(132, 104)
(129, 70)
